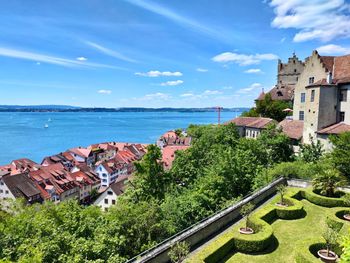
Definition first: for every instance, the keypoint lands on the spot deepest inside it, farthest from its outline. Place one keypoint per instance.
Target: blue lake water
(23, 134)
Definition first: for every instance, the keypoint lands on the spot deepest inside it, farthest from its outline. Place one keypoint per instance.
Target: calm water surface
(23, 134)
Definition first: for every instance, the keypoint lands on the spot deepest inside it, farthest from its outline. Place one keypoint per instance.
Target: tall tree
(341, 152)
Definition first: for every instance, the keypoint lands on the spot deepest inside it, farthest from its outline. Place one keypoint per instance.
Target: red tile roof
(252, 122)
(328, 62)
(292, 128)
(169, 153)
(335, 128)
(284, 93)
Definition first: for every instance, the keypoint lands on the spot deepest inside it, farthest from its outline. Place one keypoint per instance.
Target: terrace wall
(209, 227)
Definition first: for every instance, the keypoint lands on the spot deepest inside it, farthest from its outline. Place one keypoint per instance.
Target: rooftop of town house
(4, 173)
(252, 122)
(292, 128)
(335, 128)
(169, 152)
(284, 92)
(111, 166)
(21, 186)
(85, 178)
(84, 152)
(119, 187)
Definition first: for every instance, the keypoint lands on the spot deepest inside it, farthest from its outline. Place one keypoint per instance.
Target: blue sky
(152, 53)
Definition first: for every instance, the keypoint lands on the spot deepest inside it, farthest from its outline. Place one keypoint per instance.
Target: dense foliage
(216, 171)
(269, 108)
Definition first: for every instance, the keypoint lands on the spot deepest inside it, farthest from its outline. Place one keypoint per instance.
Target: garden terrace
(282, 234)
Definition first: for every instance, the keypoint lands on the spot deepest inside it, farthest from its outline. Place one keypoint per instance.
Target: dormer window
(279, 93)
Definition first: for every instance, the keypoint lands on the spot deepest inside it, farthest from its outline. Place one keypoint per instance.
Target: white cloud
(81, 58)
(227, 88)
(317, 19)
(110, 52)
(157, 73)
(186, 95)
(253, 71)
(251, 88)
(202, 70)
(41, 58)
(212, 92)
(242, 59)
(154, 96)
(172, 83)
(333, 49)
(104, 91)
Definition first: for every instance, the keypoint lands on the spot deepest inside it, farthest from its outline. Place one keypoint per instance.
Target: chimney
(329, 78)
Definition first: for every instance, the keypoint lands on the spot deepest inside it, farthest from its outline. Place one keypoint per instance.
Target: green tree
(151, 181)
(245, 212)
(327, 182)
(311, 152)
(341, 152)
(276, 144)
(269, 108)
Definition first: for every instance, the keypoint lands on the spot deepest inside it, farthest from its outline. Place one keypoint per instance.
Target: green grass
(287, 233)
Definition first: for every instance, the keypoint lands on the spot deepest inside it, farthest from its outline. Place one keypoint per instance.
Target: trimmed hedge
(260, 221)
(321, 200)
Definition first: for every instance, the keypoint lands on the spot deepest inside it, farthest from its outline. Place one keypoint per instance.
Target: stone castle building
(321, 97)
(287, 77)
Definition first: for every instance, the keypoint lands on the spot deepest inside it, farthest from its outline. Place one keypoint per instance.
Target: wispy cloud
(252, 87)
(333, 49)
(212, 92)
(105, 91)
(202, 70)
(172, 83)
(253, 71)
(177, 18)
(82, 58)
(204, 95)
(157, 73)
(318, 19)
(154, 96)
(41, 58)
(110, 52)
(243, 59)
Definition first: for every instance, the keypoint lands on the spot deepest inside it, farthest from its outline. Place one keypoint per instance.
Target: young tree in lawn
(245, 212)
(281, 189)
(179, 252)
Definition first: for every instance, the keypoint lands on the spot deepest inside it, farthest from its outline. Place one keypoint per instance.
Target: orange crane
(219, 109)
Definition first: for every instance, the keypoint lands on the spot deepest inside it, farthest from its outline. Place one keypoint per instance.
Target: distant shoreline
(57, 108)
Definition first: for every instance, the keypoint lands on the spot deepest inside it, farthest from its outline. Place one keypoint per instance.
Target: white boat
(46, 126)
(49, 120)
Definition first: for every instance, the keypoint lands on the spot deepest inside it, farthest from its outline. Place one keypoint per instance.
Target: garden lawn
(287, 233)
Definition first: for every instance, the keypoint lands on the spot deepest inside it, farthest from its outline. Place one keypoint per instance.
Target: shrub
(178, 252)
(281, 189)
(322, 200)
(327, 182)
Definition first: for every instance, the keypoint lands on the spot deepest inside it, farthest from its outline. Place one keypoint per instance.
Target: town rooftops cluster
(75, 173)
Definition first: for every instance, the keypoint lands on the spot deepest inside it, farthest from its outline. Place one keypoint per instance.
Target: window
(302, 97)
(301, 115)
(113, 202)
(104, 180)
(100, 168)
(1, 191)
(342, 116)
(6, 191)
(1, 183)
(312, 95)
(109, 192)
(311, 80)
(295, 71)
(343, 94)
(106, 201)
(104, 175)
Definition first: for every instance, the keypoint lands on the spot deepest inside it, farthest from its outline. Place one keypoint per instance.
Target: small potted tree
(347, 202)
(330, 236)
(245, 212)
(281, 189)
(179, 252)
